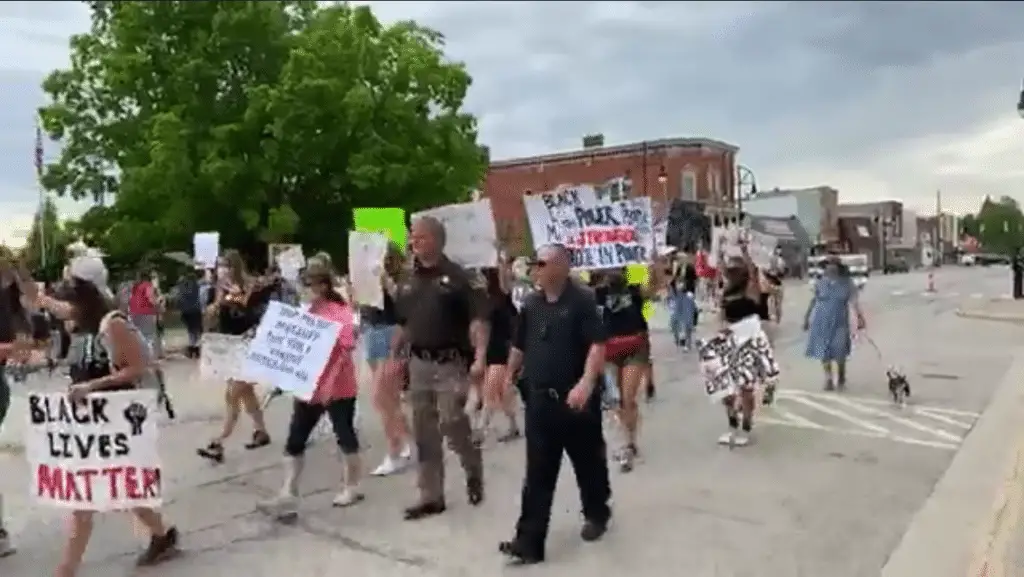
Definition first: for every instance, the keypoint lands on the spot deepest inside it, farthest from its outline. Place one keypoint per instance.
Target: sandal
(512, 435)
(214, 452)
(260, 439)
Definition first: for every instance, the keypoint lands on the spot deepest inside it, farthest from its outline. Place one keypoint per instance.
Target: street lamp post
(744, 176)
(1020, 102)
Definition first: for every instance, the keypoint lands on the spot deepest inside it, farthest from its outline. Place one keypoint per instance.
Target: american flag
(39, 150)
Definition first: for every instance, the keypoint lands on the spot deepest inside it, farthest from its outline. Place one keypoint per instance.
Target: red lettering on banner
(616, 235)
(134, 483)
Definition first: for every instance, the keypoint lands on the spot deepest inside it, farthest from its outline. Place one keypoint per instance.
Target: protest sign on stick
(100, 455)
(472, 239)
(221, 357)
(366, 252)
(290, 350)
(738, 356)
(599, 233)
(206, 249)
(761, 248)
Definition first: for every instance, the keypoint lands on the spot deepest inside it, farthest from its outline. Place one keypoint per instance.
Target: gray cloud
(887, 99)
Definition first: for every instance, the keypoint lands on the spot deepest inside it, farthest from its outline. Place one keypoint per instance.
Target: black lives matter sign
(100, 454)
(600, 233)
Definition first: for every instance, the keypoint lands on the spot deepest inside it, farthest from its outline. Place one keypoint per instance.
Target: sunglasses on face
(540, 263)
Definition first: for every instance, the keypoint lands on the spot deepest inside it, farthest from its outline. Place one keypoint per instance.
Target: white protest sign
(726, 242)
(366, 252)
(599, 233)
(100, 455)
(290, 261)
(761, 248)
(552, 215)
(291, 349)
(206, 249)
(221, 357)
(472, 239)
(737, 357)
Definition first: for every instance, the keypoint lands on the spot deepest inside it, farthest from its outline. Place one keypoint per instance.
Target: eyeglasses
(540, 263)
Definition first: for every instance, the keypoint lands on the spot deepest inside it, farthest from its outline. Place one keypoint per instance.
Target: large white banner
(366, 252)
(290, 350)
(599, 233)
(99, 455)
(738, 356)
(470, 231)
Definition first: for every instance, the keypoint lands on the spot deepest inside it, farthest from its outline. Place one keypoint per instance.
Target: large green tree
(44, 247)
(265, 121)
(998, 225)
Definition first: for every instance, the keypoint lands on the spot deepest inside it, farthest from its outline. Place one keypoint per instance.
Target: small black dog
(899, 386)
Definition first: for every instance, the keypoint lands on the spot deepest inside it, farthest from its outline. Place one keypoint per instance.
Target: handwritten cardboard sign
(472, 238)
(290, 350)
(737, 357)
(600, 233)
(100, 455)
(366, 252)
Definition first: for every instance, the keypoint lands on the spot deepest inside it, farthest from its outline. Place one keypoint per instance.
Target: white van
(857, 263)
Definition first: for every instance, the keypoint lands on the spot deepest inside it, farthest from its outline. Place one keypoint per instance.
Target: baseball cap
(90, 268)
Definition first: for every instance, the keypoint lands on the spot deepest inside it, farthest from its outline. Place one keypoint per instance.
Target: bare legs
(498, 396)
(388, 378)
(238, 395)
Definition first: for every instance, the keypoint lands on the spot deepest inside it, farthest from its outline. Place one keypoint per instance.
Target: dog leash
(864, 335)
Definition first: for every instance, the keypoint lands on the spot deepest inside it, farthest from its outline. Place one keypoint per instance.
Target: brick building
(687, 168)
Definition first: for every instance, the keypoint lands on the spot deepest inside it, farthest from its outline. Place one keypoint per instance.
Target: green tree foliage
(265, 121)
(44, 248)
(998, 225)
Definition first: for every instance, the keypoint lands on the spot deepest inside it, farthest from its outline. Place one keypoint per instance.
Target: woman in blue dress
(827, 321)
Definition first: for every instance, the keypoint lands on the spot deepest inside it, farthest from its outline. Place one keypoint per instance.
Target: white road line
(765, 420)
(840, 415)
(941, 418)
(797, 420)
(898, 293)
(880, 402)
(897, 419)
(977, 295)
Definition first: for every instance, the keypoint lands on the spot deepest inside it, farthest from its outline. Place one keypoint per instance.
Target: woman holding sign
(378, 327)
(335, 396)
(118, 358)
(236, 316)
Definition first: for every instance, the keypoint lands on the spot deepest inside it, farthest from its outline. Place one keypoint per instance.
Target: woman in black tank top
(738, 304)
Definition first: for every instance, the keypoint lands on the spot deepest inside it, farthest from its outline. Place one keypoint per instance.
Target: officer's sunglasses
(539, 263)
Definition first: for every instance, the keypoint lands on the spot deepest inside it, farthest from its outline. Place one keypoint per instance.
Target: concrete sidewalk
(993, 310)
(971, 526)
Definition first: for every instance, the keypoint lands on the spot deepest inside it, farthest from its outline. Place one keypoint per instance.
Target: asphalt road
(827, 489)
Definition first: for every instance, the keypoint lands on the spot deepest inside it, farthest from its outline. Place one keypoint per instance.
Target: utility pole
(938, 227)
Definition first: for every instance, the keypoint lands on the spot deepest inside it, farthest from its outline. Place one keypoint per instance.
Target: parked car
(989, 259)
(896, 265)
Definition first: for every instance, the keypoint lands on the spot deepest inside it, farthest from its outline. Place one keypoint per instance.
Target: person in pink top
(335, 395)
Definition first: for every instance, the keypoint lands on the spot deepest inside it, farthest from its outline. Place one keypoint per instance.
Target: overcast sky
(882, 100)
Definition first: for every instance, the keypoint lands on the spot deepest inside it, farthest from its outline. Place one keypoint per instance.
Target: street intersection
(828, 488)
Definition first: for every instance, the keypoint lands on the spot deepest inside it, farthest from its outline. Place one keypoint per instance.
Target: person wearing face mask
(827, 321)
(236, 316)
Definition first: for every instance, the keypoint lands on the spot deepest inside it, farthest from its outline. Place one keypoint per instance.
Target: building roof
(619, 150)
(776, 192)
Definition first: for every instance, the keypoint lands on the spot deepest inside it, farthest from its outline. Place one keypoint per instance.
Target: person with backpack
(188, 300)
(114, 356)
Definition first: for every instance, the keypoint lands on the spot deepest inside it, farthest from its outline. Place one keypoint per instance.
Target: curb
(984, 316)
(960, 531)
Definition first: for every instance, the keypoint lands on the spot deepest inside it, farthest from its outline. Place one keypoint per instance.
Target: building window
(688, 185)
(716, 183)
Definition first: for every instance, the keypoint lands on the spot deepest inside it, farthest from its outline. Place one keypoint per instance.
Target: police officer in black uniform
(559, 344)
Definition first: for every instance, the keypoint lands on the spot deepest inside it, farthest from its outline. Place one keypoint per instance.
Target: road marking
(838, 414)
(797, 420)
(977, 295)
(898, 293)
(931, 414)
(885, 402)
(767, 420)
(897, 419)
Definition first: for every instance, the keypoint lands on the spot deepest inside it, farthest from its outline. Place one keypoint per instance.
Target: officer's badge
(445, 281)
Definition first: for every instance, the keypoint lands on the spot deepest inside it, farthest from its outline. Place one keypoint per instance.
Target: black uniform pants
(551, 428)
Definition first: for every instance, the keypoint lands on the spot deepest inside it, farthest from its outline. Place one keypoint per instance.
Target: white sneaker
(742, 439)
(390, 466)
(727, 438)
(6, 549)
(347, 497)
(406, 454)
